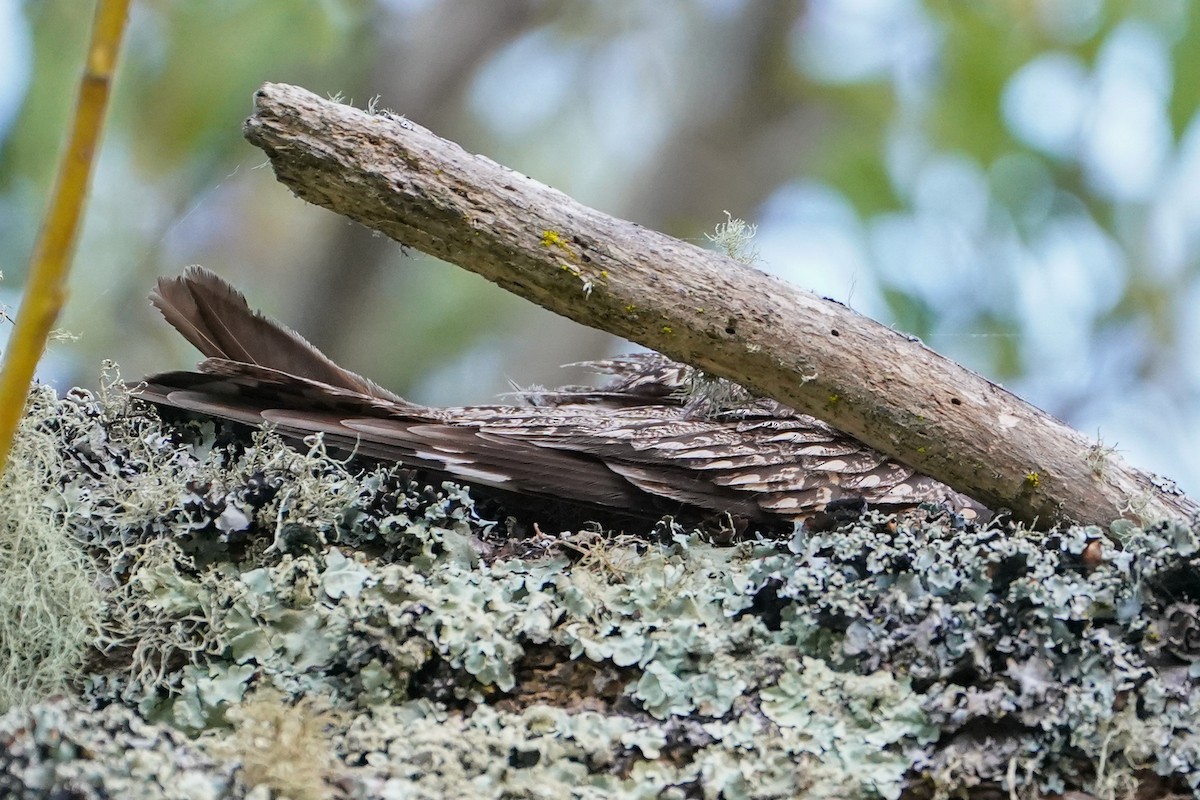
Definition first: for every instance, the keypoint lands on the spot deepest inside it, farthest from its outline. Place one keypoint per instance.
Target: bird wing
(659, 429)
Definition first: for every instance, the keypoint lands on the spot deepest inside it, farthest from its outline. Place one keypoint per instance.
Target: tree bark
(700, 307)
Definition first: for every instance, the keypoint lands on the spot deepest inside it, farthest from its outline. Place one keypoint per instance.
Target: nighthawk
(657, 436)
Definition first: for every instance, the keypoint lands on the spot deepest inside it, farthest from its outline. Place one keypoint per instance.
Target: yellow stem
(45, 290)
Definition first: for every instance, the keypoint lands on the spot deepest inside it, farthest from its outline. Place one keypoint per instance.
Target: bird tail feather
(216, 319)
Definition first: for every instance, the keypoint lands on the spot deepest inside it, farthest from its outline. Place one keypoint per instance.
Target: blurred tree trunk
(744, 119)
(425, 72)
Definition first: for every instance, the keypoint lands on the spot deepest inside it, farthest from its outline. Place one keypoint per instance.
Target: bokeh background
(1017, 182)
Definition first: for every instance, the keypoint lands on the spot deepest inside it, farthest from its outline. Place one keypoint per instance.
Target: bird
(658, 435)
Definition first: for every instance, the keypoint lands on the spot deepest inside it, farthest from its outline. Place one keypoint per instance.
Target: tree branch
(699, 307)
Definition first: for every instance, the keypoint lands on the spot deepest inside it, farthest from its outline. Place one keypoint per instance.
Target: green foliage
(985, 45)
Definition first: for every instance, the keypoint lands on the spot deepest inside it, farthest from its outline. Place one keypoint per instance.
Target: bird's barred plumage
(657, 430)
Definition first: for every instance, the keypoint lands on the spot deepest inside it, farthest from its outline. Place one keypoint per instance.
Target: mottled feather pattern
(658, 433)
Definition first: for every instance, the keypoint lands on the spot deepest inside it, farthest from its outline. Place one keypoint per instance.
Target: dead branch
(699, 307)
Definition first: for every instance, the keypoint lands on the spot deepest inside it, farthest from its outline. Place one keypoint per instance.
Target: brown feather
(216, 319)
(658, 430)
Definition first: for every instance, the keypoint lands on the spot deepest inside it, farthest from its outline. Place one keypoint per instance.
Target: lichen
(49, 601)
(735, 237)
(286, 747)
(240, 586)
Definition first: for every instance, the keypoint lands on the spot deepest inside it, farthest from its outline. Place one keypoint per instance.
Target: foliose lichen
(252, 606)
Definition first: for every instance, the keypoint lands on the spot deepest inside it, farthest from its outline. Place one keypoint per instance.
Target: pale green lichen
(58, 748)
(286, 746)
(49, 599)
(735, 237)
(863, 732)
(857, 662)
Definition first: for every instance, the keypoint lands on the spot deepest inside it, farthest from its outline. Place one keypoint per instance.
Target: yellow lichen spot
(1032, 480)
(668, 330)
(834, 399)
(699, 310)
(554, 239)
(604, 274)
(629, 309)
(921, 450)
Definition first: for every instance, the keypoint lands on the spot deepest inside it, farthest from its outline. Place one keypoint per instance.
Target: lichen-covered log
(266, 622)
(699, 307)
